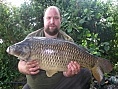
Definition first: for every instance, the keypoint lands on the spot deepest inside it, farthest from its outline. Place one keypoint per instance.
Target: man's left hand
(73, 68)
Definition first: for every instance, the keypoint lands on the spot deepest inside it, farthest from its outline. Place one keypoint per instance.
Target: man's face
(52, 21)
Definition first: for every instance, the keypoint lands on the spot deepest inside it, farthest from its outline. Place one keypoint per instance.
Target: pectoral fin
(97, 73)
(50, 73)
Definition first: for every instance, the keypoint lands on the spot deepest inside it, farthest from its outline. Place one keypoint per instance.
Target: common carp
(54, 55)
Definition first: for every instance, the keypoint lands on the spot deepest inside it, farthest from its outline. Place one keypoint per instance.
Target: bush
(90, 23)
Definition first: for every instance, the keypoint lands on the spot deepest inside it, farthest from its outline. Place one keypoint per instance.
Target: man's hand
(73, 68)
(30, 67)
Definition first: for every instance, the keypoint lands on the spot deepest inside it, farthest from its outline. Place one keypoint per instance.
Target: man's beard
(52, 33)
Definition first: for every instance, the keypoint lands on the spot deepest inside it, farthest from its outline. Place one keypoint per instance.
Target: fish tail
(102, 66)
(97, 73)
(105, 65)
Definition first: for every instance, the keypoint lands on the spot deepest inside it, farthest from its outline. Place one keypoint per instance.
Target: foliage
(10, 32)
(91, 23)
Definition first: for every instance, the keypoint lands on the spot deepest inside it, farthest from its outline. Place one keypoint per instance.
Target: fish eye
(26, 49)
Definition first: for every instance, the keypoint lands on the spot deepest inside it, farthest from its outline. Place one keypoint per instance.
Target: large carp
(54, 55)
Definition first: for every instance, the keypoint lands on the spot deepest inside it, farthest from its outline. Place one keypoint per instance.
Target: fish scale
(54, 55)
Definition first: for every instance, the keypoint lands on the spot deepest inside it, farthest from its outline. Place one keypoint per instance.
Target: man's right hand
(28, 68)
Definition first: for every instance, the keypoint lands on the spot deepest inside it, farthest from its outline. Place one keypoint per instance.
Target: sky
(19, 2)
(16, 3)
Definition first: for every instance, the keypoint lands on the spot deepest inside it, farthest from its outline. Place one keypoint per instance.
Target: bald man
(74, 78)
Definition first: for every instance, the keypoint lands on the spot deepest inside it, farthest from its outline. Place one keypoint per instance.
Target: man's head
(52, 20)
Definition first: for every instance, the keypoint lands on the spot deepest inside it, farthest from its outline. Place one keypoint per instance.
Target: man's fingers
(77, 67)
(34, 72)
(32, 67)
(74, 66)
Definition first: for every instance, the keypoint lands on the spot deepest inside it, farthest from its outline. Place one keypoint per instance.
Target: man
(73, 78)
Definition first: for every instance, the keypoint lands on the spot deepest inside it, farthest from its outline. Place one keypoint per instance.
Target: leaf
(69, 30)
(80, 28)
(82, 21)
(110, 19)
(106, 48)
(85, 10)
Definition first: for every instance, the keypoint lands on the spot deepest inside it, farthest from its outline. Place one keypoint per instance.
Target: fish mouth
(18, 51)
(10, 50)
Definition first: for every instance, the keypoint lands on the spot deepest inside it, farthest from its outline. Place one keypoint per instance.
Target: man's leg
(26, 86)
(80, 81)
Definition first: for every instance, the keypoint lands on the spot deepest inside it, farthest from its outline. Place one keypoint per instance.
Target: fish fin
(97, 73)
(50, 73)
(105, 65)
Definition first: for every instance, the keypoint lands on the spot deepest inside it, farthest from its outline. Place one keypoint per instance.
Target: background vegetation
(91, 23)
